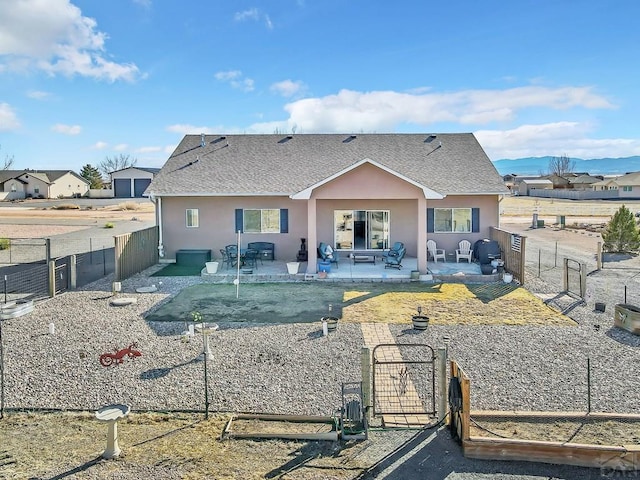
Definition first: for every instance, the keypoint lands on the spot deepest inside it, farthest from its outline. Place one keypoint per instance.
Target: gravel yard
(294, 369)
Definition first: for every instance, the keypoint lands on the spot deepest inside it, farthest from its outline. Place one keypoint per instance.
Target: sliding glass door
(361, 229)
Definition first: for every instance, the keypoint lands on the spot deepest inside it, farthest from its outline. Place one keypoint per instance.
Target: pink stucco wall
(489, 217)
(217, 224)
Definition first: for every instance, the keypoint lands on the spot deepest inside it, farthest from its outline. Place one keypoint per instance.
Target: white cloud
(559, 138)
(383, 110)
(38, 95)
(100, 145)
(236, 80)
(67, 129)
(251, 14)
(288, 88)
(268, 22)
(120, 147)
(66, 42)
(148, 149)
(143, 3)
(186, 129)
(8, 118)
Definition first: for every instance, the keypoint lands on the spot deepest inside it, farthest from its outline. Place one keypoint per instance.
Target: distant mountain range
(596, 166)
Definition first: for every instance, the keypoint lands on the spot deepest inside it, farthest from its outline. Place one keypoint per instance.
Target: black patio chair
(225, 258)
(232, 254)
(250, 258)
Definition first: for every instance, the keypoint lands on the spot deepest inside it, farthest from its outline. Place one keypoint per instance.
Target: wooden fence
(513, 248)
(609, 458)
(135, 252)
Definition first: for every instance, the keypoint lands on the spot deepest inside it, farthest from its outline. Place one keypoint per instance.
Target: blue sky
(81, 80)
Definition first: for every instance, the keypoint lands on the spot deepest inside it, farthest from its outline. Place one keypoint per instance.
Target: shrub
(621, 234)
(109, 225)
(66, 206)
(128, 206)
(4, 243)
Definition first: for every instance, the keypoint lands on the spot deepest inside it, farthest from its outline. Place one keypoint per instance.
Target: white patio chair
(464, 251)
(436, 252)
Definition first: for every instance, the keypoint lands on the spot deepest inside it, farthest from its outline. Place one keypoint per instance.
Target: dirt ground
(588, 431)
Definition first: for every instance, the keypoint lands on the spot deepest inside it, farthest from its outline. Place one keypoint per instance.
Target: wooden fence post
(441, 356)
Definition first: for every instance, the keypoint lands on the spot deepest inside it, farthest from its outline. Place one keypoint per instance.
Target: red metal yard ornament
(108, 359)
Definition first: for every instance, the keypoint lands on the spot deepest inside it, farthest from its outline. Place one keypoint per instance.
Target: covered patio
(347, 271)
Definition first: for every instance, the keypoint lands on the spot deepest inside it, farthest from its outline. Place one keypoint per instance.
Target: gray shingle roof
(47, 176)
(282, 165)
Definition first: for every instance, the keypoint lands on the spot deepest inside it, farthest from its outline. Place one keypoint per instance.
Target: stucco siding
(489, 217)
(68, 185)
(217, 224)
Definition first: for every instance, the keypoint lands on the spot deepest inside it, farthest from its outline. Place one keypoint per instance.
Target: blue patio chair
(393, 250)
(327, 254)
(394, 259)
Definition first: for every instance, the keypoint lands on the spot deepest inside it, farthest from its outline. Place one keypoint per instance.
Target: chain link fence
(617, 281)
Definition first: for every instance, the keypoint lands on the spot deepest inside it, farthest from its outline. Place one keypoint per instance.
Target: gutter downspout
(158, 203)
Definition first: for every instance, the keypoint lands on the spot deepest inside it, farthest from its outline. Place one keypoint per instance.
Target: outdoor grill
(486, 250)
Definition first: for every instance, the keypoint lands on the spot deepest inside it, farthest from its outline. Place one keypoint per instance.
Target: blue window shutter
(239, 220)
(475, 220)
(429, 220)
(284, 220)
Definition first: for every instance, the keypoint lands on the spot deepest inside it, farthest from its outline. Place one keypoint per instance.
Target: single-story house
(19, 184)
(628, 185)
(526, 185)
(358, 193)
(583, 182)
(131, 182)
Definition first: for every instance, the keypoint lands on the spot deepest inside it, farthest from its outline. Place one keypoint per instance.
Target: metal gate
(404, 379)
(575, 277)
(61, 275)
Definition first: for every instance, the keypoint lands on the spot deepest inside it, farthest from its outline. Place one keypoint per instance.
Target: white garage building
(131, 182)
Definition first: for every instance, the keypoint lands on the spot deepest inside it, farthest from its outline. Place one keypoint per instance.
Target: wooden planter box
(627, 316)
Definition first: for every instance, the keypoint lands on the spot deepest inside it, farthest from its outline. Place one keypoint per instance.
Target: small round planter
(507, 278)
(332, 323)
(420, 322)
(292, 267)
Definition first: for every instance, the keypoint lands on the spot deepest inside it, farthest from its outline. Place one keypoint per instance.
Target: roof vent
(430, 139)
(202, 142)
(350, 138)
(219, 139)
(285, 139)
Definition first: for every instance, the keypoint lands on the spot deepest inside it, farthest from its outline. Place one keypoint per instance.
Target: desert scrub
(66, 206)
(128, 206)
(109, 225)
(4, 243)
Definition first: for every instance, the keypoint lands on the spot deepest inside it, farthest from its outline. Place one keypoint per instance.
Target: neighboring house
(628, 186)
(356, 192)
(583, 182)
(526, 185)
(19, 184)
(131, 182)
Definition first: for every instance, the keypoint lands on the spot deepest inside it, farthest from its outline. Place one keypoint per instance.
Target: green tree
(92, 175)
(621, 234)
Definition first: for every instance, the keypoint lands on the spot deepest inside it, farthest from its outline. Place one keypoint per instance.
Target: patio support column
(422, 235)
(312, 236)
